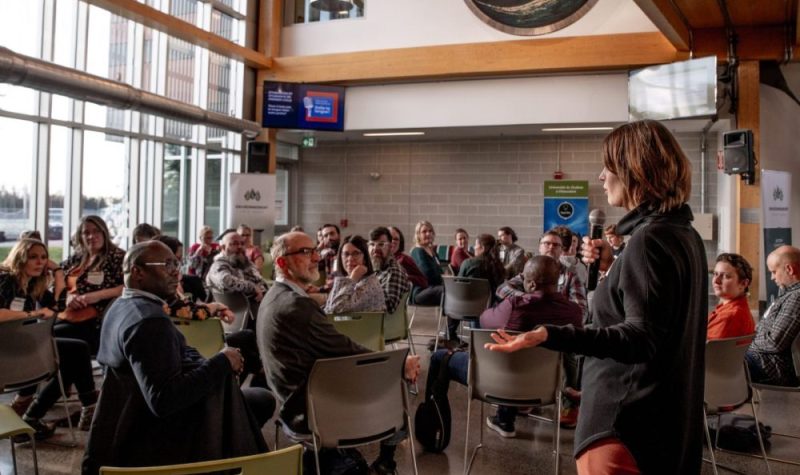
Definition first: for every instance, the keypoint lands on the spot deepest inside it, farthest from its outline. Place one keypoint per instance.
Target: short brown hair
(650, 165)
(743, 269)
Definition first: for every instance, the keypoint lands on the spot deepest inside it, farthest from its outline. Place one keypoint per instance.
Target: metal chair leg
(708, 441)
(760, 439)
(557, 439)
(410, 425)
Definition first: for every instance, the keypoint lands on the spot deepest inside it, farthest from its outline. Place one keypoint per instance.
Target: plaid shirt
(569, 284)
(395, 283)
(227, 278)
(775, 334)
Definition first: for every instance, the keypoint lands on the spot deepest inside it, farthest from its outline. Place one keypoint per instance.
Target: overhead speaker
(257, 157)
(738, 153)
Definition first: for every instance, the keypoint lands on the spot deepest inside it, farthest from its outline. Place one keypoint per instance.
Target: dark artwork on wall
(530, 17)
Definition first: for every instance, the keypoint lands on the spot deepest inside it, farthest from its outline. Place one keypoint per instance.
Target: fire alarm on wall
(558, 175)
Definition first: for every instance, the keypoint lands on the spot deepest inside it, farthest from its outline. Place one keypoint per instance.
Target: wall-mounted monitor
(303, 106)
(674, 91)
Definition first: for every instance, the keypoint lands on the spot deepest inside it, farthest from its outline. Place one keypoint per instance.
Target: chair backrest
(364, 328)
(288, 461)
(796, 355)
(527, 377)
(206, 336)
(726, 382)
(395, 324)
(27, 353)
(465, 297)
(357, 399)
(240, 307)
(443, 252)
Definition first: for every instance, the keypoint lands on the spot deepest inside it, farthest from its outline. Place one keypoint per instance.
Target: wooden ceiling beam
(754, 43)
(669, 22)
(584, 53)
(158, 20)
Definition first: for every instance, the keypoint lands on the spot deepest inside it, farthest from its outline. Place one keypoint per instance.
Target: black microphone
(597, 218)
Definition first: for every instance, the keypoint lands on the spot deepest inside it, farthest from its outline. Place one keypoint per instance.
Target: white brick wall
(479, 185)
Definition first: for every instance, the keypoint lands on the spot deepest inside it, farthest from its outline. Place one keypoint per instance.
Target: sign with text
(776, 193)
(303, 106)
(566, 203)
(252, 200)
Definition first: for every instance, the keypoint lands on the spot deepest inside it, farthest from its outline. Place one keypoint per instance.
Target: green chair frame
(288, 461)
(206, 336)
(10, 425)
(364, 328)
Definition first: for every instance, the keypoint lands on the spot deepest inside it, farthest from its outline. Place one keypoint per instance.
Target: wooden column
(270, 22)
(748, 232)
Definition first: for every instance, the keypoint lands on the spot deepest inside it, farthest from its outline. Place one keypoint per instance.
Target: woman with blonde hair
(24, 278)
(201, 254)
(645, 350)
(93, 277)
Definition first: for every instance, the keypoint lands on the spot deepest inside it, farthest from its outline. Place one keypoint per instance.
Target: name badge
(17, 305)
(95, 277)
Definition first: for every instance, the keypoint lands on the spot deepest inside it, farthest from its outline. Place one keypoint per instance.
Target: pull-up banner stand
(252, 201)
(776, 197)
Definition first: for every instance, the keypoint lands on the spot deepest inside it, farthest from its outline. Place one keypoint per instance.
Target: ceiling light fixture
(391, 134)
(576, 129)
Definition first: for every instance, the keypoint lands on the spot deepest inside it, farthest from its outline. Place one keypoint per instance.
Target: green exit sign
(309, 142)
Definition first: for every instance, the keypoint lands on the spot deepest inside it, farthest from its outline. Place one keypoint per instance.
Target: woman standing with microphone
(641, 408)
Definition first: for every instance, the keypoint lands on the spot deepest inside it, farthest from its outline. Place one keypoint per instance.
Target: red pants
(607, 457)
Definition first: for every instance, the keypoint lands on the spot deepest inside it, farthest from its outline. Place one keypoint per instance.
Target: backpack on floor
(432, 420)
(737, 432)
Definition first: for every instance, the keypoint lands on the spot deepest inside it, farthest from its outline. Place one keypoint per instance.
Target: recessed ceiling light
(391, 134)
(576, 129)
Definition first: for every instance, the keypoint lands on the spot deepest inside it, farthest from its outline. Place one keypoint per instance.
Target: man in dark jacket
(162, 403)
(293, 334)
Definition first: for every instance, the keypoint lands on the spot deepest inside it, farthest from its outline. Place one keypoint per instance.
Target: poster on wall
(566, 203)
(776, 193)
(252, 201)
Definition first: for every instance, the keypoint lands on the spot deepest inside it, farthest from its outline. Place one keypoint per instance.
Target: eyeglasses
(170, 266)
(306, 251)
(550, 243)
(378, 244)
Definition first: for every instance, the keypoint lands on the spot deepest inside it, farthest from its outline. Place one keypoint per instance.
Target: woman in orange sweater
(732, 276)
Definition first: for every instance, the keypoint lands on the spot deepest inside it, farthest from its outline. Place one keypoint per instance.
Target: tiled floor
(529, 453)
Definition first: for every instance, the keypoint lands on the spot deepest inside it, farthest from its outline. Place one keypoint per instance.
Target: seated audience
(511, 255)
(415, 276)
(145, 232)
(392, 277)
(293, 333)
(252, 251)
(201, 254)
(328, 246)
(24, 276)
(424, 255)
(616, 241)
(570, 256)
(356, 287)
(460, 251)
(162, 402)
(93, 279)
(233, 272)
(731, 283)
(542, 303)
(486, 263)
(191, 287)
(769, 357)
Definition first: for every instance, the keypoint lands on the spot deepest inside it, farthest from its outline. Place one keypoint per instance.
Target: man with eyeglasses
(293, 333)
(233, 272)
(392, 277)
(162, 402)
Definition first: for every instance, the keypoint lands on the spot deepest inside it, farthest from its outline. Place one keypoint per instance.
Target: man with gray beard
(392, 277)
(233, 272)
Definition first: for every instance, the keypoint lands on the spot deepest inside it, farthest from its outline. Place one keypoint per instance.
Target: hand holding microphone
(596, 252)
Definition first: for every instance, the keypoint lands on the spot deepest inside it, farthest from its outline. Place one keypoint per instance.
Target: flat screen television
(673, 91)
(303, 106)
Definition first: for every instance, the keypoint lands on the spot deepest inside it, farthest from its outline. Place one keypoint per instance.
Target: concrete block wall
(479, 185)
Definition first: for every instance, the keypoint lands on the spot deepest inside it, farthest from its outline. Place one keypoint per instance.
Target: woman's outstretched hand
(510, 343)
